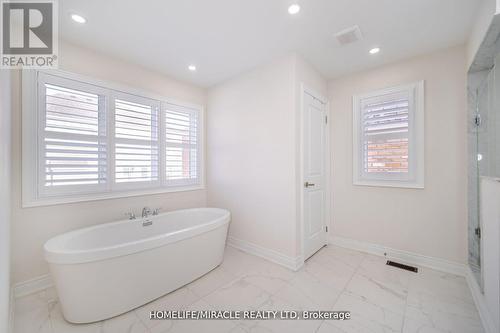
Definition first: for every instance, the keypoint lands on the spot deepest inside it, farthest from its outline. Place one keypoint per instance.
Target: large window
(388, 137)
(86, 140)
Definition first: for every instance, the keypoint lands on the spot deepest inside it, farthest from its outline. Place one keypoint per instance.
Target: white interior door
(314, 166)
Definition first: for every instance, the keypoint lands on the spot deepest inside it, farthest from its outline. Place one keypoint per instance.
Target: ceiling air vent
(349, 35)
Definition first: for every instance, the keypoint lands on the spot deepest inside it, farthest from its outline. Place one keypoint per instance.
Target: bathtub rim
(54, 254)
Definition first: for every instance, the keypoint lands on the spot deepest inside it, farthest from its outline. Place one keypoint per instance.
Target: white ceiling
(227, 37)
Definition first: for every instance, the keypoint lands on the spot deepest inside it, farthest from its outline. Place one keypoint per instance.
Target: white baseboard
(268, 254)
(403, 256)
(482, 308)
(32, 286)
(12, 306)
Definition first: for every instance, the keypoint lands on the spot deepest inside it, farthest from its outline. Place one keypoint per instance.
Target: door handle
(307, 184)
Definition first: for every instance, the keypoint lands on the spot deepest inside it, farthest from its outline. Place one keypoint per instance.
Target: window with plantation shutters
(385, 135)
(136, 140)
(85, 139)
(182, 145)
(388, 137)
(72, 145)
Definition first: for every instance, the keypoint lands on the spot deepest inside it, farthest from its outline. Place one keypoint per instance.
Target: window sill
(394, 184)
(47, 201)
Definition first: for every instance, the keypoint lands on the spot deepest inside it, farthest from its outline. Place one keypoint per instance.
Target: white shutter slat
(385, 133)
(182, 136)
(136, 141)
(74, 139)
(395, 103)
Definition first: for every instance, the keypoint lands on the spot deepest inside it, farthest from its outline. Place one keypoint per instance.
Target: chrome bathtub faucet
(146, 211)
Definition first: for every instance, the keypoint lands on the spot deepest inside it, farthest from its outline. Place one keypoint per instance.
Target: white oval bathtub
(106, 270)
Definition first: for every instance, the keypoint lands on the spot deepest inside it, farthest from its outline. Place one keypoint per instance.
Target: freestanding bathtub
(106, 270)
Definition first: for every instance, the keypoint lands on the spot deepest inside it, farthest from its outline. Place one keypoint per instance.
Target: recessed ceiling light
(192, 68)
(78, 18)
(375, 50)
(294, 9)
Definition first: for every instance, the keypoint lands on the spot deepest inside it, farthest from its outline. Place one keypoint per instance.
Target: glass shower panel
(484, 153)
(482, 101)
(486, 159)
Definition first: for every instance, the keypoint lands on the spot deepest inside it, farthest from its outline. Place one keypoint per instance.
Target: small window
(388, 137)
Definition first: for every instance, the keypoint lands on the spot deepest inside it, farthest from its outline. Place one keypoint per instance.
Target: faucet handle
(156, 211)
(130, 215)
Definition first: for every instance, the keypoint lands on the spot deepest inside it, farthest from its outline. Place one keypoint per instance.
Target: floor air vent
(402, 266)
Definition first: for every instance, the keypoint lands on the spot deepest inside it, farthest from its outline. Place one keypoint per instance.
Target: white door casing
(314, 145)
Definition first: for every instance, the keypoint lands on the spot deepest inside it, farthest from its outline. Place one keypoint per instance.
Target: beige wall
(5, 209)
(484, 16)
(431, 221)
(253, 152)
(32, 227)
(250, 155)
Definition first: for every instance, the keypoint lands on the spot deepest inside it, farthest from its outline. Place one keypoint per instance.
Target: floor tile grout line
(412, 278)
(49, 317)
(218, 288)
(236, 278)
(306, 296)
(352, 276)
(319, 326)
(344, 288)
(135, 311)
(406, 298)
(274, 294)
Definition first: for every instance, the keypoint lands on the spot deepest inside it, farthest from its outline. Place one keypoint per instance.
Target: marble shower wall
(483, 140)
(476, 97)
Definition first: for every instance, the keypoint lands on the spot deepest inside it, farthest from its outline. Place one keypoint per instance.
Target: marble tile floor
(381, 299)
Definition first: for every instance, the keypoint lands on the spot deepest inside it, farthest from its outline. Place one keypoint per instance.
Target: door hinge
(326, 119)
(477, 231)
(477, 120)
(326, 228)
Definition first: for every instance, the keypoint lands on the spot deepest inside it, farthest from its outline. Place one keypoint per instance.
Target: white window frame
(112, 149)
(31, 160)
(415, 139)
(66, 190)
(199, 149)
